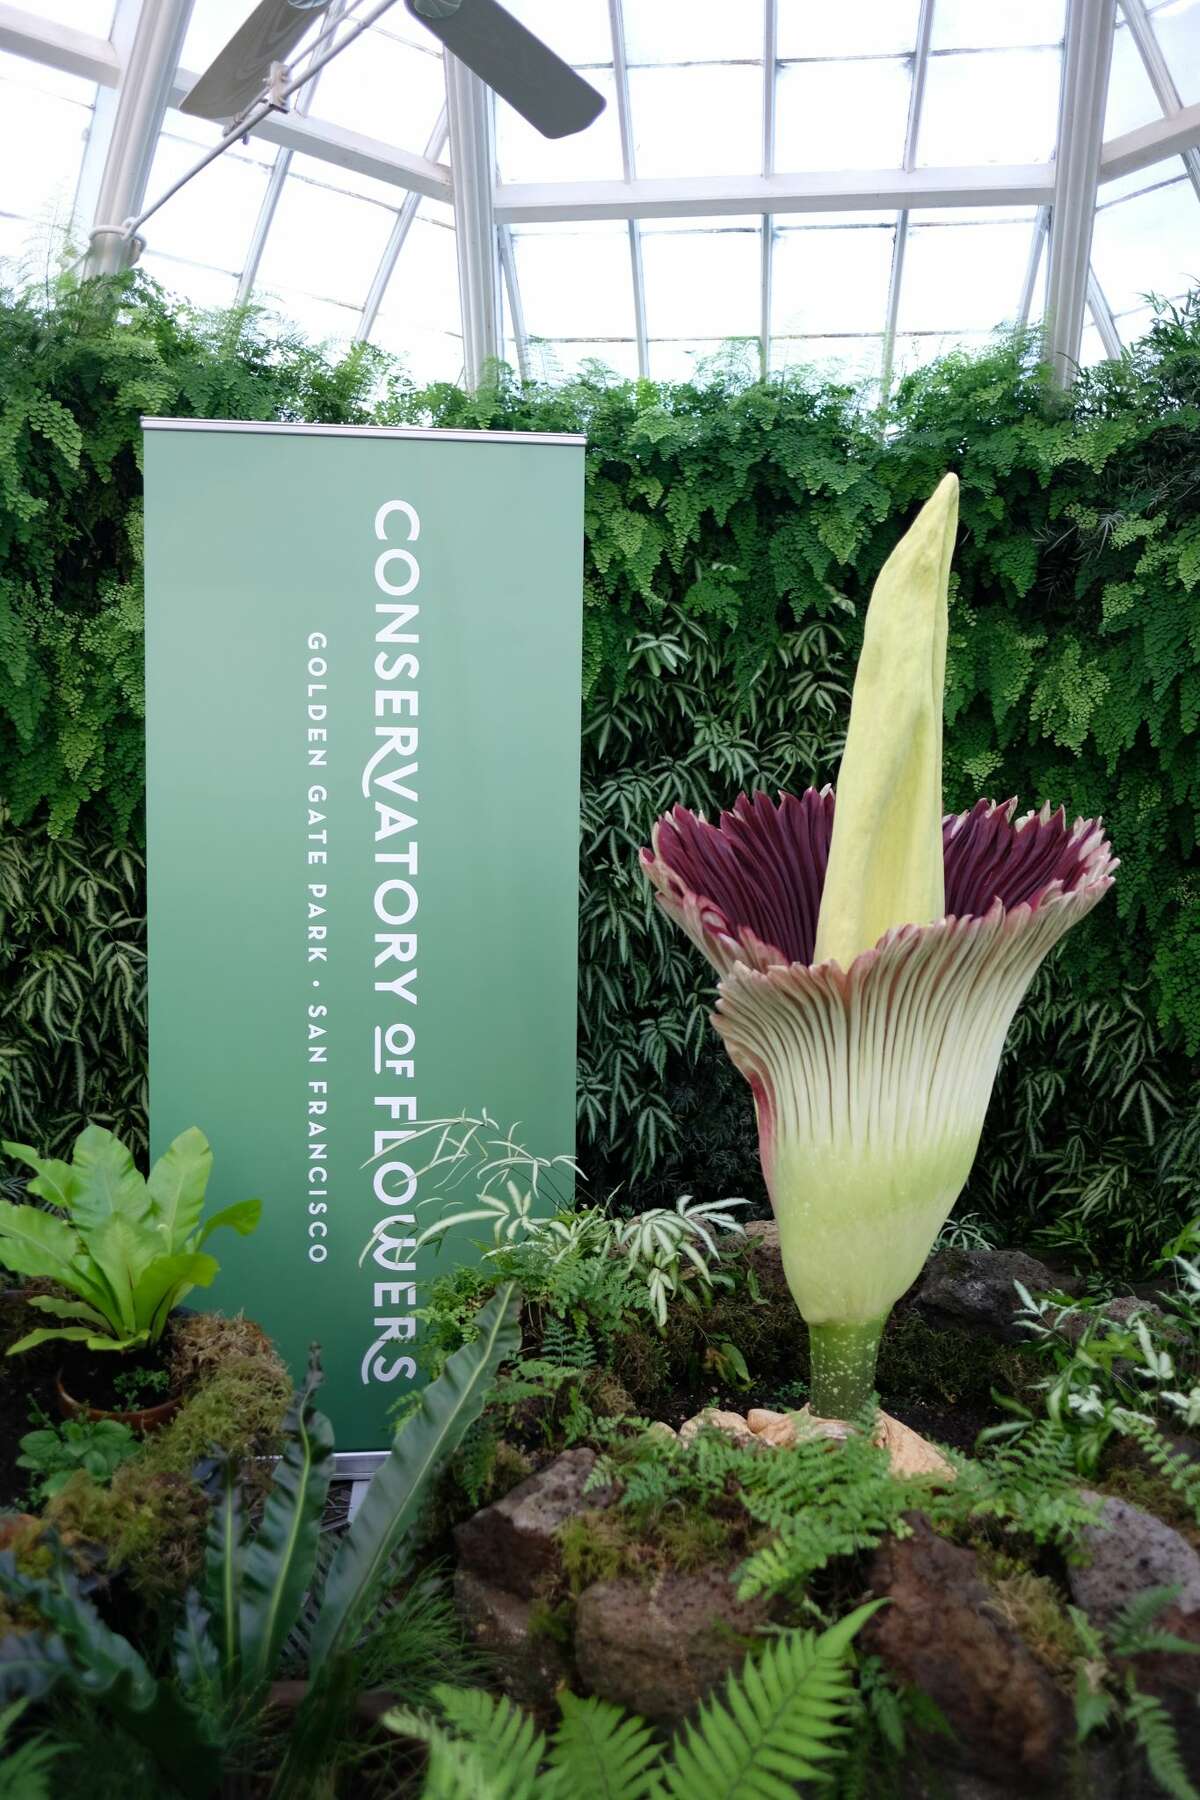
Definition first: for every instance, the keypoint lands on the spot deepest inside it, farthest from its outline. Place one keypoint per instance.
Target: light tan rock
(910, 1453)
(658, 1428)
(712, 1418)
(775, 1428)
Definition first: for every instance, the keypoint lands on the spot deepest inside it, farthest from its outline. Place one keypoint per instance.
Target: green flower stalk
(871, 957)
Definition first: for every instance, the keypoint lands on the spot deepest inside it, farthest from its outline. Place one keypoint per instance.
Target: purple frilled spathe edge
(748, 890)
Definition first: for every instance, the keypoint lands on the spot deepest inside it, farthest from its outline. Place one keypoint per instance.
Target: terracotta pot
(142, 1419)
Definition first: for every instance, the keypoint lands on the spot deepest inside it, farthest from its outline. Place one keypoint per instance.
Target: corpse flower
(871, 958)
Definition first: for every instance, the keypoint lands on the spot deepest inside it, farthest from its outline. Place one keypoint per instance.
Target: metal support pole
(916, 102)
(142, 98)
(473, 162)
(1087, 55)
(516, 312)
(1161, 79)
(770, 91)
(399, 232)
(616, 21)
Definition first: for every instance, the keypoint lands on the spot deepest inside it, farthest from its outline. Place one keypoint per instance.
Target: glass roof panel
(703, 120)
(45, 118)
(383, 88)
(961, 277)
(578, 32)
(419, 317)
(692, 31)
(324, 243)
(704, 284)
(850, 28)
(676, 359)
(554, 360)
(576, 280)
(842, 115)
(522, 154)
(1177, 28)
(191, 282)
(976, 24)
(970, 114)
(95, 16)
(1149, 244)
(829, 281)
(210, 220)
(1131, 97)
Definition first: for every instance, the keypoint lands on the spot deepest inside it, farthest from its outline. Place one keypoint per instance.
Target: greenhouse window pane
(831, 281)
(94, 16)
(851, 359)
(422, 294)
(318, 321)
(691, 31)
(424, 355)
(702, 359)
(962, 277)
(974, 24)
(1177, 28)
(577, 32)
(704, 284)
(210, 220)
(992, 107)
(576, 280)
(523, 154)
(851, 28)
(558, 360)
(1131, 99)
(1133, 326)
(190, 282)
(205, 133)
(323, 243)
(915, 351)
(1091, 349)
(1148, 245)
(842, 115)
(697, 121)
(383, 89)
(42, 138)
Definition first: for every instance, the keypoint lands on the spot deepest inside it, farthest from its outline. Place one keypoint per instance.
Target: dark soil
(27, 1384)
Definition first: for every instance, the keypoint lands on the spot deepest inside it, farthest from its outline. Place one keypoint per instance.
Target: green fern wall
(733, 535)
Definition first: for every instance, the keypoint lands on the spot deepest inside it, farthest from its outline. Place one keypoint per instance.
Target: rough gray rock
(973, 1289)
(941, 1634)
(1131, 1551)
(659, 1650)
(513, 1544)
(529, 1660)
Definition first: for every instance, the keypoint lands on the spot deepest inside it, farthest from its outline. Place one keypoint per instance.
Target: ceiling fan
(498, 48)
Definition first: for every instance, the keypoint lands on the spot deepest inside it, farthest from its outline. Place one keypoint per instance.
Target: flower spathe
(871, 1082)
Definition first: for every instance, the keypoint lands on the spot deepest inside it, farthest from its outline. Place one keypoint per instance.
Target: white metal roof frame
(134, 72)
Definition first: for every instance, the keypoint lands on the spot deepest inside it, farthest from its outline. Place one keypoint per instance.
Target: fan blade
(237, 77)
(498, 48)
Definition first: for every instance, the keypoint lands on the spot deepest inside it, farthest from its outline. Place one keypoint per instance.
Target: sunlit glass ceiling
(695, 89)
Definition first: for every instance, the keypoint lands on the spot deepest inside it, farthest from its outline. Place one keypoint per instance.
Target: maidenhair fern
(780, 1721)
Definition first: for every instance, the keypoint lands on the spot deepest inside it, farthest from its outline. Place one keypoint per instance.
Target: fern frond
(491, 1752)
(601, 1752)
(1155, 1732)
(777, 1723)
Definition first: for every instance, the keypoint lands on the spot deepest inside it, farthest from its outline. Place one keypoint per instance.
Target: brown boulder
(513, 1544)
(941, 1634)
(530, 1660)
(659, 1650)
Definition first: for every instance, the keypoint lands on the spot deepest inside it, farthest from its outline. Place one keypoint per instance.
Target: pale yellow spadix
(885, 857)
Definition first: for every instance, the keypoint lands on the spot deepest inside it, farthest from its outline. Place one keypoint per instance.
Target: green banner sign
(362, 672)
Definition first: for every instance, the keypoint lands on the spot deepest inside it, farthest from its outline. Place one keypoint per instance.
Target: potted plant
(124, 1249)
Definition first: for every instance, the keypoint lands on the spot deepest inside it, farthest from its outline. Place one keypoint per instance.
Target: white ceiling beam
(1161, 78)
(23, 33)
(1102, 317)
(345, 149)
(398, 237)
(1151, 144)
(1087, 57)
(516, 311)
(851, 190)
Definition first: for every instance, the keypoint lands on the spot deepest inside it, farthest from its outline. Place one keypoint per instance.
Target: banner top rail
(429, 433)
